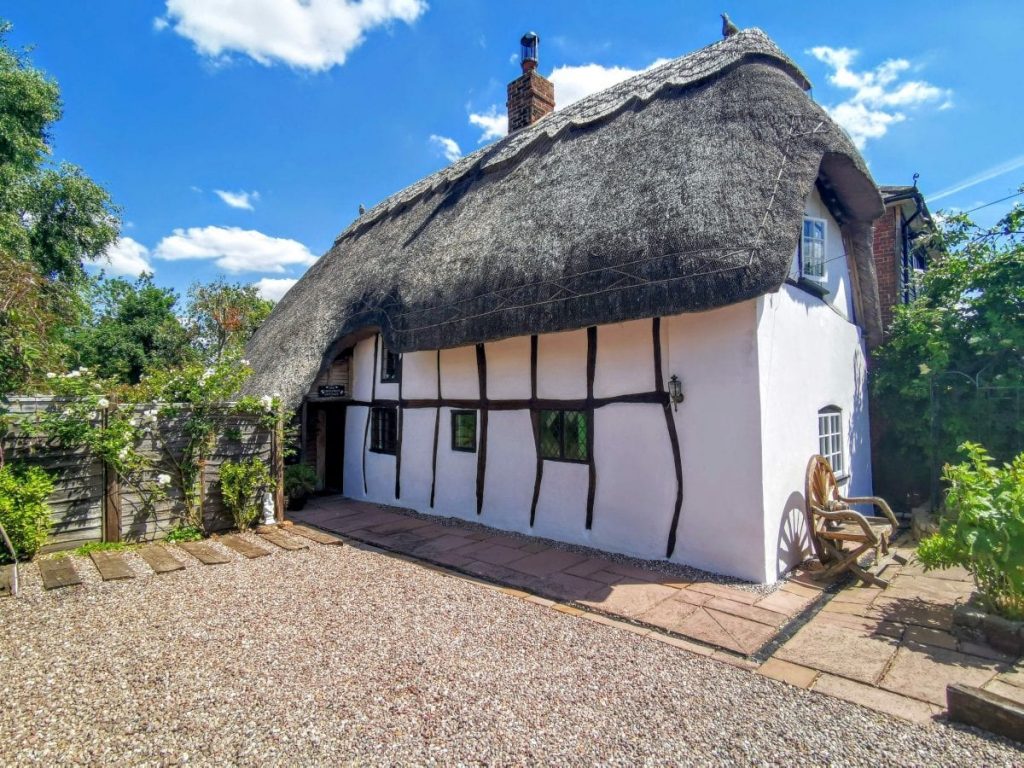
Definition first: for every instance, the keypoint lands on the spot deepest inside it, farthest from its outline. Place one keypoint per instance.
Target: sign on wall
(331, 390)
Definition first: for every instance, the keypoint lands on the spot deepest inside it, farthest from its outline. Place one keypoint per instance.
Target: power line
(1000, 200)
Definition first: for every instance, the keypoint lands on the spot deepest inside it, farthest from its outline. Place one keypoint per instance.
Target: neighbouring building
(626, 325)
(902, 247)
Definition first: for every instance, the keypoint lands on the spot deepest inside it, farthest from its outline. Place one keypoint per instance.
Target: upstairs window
(464, 431)
(563, 435)
(830, 438)
(812, 249)
(390, 366)
(383, 430)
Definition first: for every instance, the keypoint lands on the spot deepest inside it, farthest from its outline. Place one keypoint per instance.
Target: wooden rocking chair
(832, 524)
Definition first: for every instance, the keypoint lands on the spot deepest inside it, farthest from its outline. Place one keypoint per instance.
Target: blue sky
(240, 136)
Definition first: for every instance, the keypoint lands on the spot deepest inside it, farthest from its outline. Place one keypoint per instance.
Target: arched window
(830, 437)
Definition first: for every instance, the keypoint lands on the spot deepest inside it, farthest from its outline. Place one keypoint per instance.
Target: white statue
(268, 509)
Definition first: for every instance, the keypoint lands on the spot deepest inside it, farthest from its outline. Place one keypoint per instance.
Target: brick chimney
(530, 96)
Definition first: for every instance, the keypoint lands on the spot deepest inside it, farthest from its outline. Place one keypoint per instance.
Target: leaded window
(812, 249)
(564, 435)
(383, 430)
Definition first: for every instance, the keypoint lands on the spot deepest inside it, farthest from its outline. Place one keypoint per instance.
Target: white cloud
(878, 95)
(305, 34)
(126, 257)
(242, 199)
(448, 147)
(571, 84)
(494, 125)
(980, 178)
(274, 288)
(234, 249)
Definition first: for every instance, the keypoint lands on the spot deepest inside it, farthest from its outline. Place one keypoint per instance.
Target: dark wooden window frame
(384, 430)
(455, 430)
(390, 366)
(588, 420)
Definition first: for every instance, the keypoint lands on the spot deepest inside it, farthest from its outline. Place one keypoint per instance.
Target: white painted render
(810, 357)
(754, 376)
(837, 273)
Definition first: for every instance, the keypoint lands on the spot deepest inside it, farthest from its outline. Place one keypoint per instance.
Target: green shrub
(983, 528)
(183, 533)
(242, 485)
(299, 480)
(24, 512)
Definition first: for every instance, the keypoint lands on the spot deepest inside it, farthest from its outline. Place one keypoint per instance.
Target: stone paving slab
(923, 672)
(159, 559)
(243, 547)
(112, 566)
(204, 553)
(58, 572)
(875, 698)
(6, 580)
(786, 672)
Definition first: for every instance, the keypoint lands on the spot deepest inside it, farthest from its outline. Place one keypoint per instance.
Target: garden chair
(841, 535)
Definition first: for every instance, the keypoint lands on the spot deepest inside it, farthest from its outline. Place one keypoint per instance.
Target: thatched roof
(678, 190)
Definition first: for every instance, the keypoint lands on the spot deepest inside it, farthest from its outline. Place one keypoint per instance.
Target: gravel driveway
(337, 655)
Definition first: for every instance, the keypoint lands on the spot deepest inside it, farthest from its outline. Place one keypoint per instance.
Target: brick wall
(530, 97)
(887, 261)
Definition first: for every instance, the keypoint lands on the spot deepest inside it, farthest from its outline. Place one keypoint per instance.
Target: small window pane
(383, 430)
(464, 431)
(576, 435)
(551, 434)
(812, 248)
(390, 366)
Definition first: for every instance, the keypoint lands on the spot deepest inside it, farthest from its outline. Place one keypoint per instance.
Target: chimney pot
(531, 95)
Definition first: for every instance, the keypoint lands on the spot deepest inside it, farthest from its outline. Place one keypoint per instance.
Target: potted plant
(299, 482)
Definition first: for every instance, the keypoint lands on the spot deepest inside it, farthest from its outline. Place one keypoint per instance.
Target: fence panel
(80, 494)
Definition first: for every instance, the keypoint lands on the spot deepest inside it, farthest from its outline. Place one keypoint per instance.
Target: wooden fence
(90, 503)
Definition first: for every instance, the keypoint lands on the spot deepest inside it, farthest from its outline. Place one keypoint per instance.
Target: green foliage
(184, 533)
(100, 546)
(223, 316)
(197, 394)
(132, 328)
(299, 480)
(23, 509)
(969, 319)
(242, 485)
(983, 529)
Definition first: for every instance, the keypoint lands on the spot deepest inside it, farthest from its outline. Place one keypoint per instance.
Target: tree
(953, 367)
(132, 327)
(52, 219)
(223, 316)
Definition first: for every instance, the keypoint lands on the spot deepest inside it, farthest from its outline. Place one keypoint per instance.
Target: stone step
(58, 572)
(204, 553)
(284, 542)
(159, 559)
(313, 534)
(243, 546)
(111, 565)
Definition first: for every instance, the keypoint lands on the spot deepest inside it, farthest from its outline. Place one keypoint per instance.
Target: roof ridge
(688, 69)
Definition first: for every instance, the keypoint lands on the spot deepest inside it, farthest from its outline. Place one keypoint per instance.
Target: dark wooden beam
(673, 436)
(535, 422)
(481, 453)
(591, 464)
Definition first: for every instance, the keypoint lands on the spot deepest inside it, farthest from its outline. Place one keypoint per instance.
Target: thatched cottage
(626, 325)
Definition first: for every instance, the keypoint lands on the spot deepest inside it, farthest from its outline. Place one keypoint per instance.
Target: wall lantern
(675, 391)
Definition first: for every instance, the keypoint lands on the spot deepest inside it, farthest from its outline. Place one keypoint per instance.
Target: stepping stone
(59, 573)
(243, 546)
(320, 537)
(159, 559)
(6, 580)
(284, 542)
(111, 566)
(204, 553)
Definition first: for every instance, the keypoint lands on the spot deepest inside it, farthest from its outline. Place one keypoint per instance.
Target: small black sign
(331, 390)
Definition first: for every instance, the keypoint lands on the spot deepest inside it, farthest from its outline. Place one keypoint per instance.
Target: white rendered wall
(810, 357)
(714, 353)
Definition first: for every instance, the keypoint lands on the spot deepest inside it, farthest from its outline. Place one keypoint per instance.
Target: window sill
(812, 287)
(842, 479)
(383, 452)
(566, 461)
